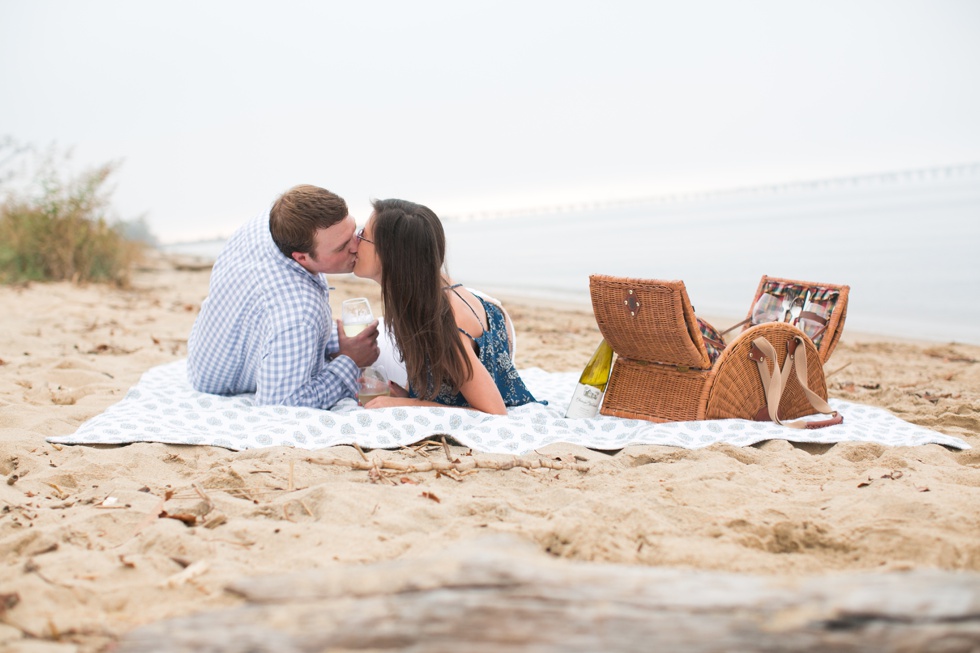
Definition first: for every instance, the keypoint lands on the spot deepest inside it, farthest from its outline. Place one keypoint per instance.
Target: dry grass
(59, 230)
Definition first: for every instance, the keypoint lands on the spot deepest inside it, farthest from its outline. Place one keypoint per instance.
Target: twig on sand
(955, 358)
(422, 448)
(360, 451)
(189, 573)
(201, 493)
(831, 373)
(461, 467)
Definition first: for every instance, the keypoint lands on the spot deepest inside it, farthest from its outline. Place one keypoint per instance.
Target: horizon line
(892, 176)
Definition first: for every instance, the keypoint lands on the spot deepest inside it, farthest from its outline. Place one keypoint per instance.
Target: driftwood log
(499, 594)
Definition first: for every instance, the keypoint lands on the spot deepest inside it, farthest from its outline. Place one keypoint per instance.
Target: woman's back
(468, 309)
(484, 325)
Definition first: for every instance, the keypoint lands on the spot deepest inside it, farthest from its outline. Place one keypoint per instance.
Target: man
(266, 325)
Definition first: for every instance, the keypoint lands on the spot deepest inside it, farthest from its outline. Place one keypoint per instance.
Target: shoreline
(563, 301)
(532, 300)
(84, 568)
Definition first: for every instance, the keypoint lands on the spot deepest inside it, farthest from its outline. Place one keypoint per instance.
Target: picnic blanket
(163, 407)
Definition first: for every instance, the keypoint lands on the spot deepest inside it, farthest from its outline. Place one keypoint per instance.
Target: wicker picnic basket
(671, 366)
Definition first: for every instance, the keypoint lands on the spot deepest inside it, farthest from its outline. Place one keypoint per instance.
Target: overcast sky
(215, 107)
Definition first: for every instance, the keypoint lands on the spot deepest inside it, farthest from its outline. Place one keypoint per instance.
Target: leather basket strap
(773, 384)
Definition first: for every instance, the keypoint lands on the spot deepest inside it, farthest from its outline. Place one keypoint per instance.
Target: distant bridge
(937, 173)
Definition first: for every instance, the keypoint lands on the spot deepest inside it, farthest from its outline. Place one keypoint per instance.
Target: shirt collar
(272, 251)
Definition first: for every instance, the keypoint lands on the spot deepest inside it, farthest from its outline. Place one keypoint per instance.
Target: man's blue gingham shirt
(266, 327)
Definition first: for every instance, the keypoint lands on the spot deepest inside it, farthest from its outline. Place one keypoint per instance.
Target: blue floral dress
(493, 352)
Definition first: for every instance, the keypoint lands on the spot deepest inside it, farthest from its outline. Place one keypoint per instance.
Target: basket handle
(773, 384)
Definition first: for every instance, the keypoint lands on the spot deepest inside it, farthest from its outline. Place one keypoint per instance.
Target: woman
(454, 343)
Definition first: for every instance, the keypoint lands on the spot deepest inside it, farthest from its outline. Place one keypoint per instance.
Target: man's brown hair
(299, 213)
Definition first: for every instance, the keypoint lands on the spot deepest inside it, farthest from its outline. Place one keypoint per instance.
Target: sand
(86, 555)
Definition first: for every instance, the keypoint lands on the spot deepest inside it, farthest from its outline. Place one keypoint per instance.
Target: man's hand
(363, 348)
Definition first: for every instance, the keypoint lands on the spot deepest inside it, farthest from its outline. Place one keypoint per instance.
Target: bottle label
(585, 402)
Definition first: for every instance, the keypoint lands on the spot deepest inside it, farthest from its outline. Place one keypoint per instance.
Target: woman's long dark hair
(411, 246)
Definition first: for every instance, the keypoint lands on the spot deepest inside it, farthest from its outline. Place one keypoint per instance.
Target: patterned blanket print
(163, 407)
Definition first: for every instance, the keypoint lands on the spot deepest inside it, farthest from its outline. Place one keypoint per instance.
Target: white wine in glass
(373, 382)
(356, 315)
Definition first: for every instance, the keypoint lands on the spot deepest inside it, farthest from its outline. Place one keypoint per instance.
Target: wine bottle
(592, 383)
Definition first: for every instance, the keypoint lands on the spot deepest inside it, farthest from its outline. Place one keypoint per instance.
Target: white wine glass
(768, 308)
(372, 382)
(356, 315)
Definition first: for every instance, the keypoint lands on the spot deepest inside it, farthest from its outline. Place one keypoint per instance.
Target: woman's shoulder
(467, 308)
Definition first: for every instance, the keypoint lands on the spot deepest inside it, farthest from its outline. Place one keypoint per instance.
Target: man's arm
(290, 373)
(333, 340)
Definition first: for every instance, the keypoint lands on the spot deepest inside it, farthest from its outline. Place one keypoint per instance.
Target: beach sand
(86, 555)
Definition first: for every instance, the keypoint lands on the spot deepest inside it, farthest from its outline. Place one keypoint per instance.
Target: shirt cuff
(345, 369)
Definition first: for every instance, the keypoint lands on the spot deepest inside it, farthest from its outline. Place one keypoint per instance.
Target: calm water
(907, 247)
(906, 244)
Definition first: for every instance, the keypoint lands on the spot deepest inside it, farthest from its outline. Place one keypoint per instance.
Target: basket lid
(648, 320)
(828, 300)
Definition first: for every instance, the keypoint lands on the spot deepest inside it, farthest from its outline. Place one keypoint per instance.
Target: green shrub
(59, 230)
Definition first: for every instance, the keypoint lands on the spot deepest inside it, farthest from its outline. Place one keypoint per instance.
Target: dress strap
(472, 310)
